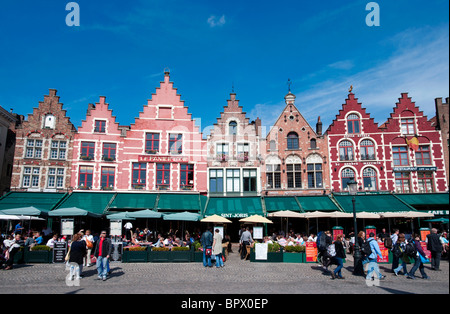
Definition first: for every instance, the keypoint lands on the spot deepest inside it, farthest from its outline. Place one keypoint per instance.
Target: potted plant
(106, 158)
(197, 255)
(294, 254)
(86, 157)
(134, 254)
(181, 254)
(159, 255)
(38, 254)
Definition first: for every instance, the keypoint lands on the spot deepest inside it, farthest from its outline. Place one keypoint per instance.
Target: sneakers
(333, 275)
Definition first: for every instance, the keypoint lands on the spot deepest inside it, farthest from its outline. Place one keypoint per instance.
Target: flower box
(164, 255)
(135, 255)
(84, 157)
(38, 254)
(105, 158)
(294, 257)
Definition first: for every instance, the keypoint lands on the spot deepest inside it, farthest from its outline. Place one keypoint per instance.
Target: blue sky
(121, 48)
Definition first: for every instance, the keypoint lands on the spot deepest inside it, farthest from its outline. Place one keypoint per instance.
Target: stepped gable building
(43, 150)
(296, 155)
(414, 148)
(441, 123)
(356, 149)
(234, 156)
(97, 150)
(163, 150)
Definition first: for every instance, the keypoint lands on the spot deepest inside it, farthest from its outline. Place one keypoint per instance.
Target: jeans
(418, 264)
(219, 261)
(75, 270)
(373, 267)
(340, 263)
(102, 266)
(206, 259)
(402, 266)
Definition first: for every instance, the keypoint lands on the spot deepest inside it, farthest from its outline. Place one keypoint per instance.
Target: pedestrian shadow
(115, 272)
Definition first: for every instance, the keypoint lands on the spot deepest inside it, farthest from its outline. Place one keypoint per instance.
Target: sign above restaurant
(234, 215)
(154, 158)
(399, 169)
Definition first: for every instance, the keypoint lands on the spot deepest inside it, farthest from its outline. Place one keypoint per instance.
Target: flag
(413, 143)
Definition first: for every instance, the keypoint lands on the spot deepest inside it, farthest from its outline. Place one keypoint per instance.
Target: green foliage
(160, 249)
(179, 248)
(136, 248)
(40, 248)
(275, 247)
(197, 246)
(294, 249)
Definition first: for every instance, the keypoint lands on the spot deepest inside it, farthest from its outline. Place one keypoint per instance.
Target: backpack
(331, 250)
(366, 249)
(388, 243)
(411, 250)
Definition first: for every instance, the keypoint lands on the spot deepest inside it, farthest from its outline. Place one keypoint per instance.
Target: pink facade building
(163, 150)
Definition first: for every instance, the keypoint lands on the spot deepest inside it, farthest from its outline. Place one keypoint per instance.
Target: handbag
(67, 255)
(89, 244)
(208, 252)
(424, 259)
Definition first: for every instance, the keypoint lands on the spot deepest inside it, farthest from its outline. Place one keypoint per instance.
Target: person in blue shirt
(39, 239)
(18, 229)
(372, 258)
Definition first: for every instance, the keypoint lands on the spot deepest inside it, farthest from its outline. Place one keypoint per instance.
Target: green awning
(317, 203)
(183, 216)
(94, 202)
(234, 207)
(44, 201)
(72, 212)
(134, 201)
(281, 203)
(424, 199)
(382, 203)
(179, 202)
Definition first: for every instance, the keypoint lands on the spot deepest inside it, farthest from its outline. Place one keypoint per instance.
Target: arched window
(292, 140)
(345, 150)
(347, 174)
(367, 150)
(232, 128)
(370, 179)
(353, 124)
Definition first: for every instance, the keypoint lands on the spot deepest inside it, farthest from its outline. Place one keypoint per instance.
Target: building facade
(404, 155)
(43, 151)
(234, 157)
(295, 155)
(442, 124)
(7, 145)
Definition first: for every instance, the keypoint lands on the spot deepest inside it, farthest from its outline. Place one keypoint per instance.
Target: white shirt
(128, 225)
(51, 242)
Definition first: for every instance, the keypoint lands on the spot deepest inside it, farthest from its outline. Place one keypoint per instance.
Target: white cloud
(213, 21)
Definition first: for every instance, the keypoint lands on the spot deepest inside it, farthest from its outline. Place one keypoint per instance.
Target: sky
(121, 48)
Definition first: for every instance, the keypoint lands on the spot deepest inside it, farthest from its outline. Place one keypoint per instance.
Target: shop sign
(400, 169)
(151, 158)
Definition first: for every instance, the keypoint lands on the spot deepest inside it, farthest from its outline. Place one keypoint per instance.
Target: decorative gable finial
(351, 88)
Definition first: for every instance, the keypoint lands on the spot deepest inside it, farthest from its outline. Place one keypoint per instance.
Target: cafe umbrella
(286, 214)
(147, 214)
(216, 219)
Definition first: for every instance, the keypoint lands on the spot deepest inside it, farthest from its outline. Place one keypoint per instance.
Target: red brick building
(441, 122)
(43, 152)
(296, 155)
(382, 158)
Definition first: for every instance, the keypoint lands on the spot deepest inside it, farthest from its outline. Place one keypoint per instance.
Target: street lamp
(357, 265)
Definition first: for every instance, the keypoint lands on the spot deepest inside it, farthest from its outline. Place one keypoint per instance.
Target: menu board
(424, 233)
(337, 232)
(311, 252)
(261, 251)
(384, 253)
(59, 252)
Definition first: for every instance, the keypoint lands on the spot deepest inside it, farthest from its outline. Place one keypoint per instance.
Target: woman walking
(399, 250)
(76, 257)
(339, 257)
(217, 248)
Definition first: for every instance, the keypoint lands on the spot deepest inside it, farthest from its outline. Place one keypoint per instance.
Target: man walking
(246, 239)
(434, 245)
(207, 241)
(102, 252)
(373, 263)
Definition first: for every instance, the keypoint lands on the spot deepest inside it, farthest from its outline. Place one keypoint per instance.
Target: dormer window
(232, 128)
(100, 126)
(353, 126)
(49, 121)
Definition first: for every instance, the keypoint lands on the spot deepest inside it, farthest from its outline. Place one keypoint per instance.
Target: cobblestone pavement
(236, 277)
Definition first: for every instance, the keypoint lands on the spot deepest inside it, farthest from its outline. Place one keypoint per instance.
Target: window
(407, 126)
(152, 143)
(30, 177)
(55, 178)
(216, 180)
(292, 140)
(49, 121)
(315, 178)
(347, 175)
(294, 176)
(33, 149)
(402, 182)
(367, 150)
(85, 176)
(176, 143)
(58, 150)
(249, 180)
(222, 152)
(273, 173)
(233, 180)
(232, 128)
(242, 151)
(353, 124)
(423, 156)
(108, 174)
(400, 155)
(87, 150)
(163, 176)
(313, 143)
(186, 177)
(139, 175)
(100, 126)
(345, 150)
(273, 145)
(109, 151)
(370, 179)
(425, 179)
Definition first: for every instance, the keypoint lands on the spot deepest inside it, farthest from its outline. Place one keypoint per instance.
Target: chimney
(319, 127)
(258, 126)
(90, 107)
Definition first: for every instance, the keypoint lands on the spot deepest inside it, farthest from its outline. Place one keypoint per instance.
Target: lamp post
(357, 265)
